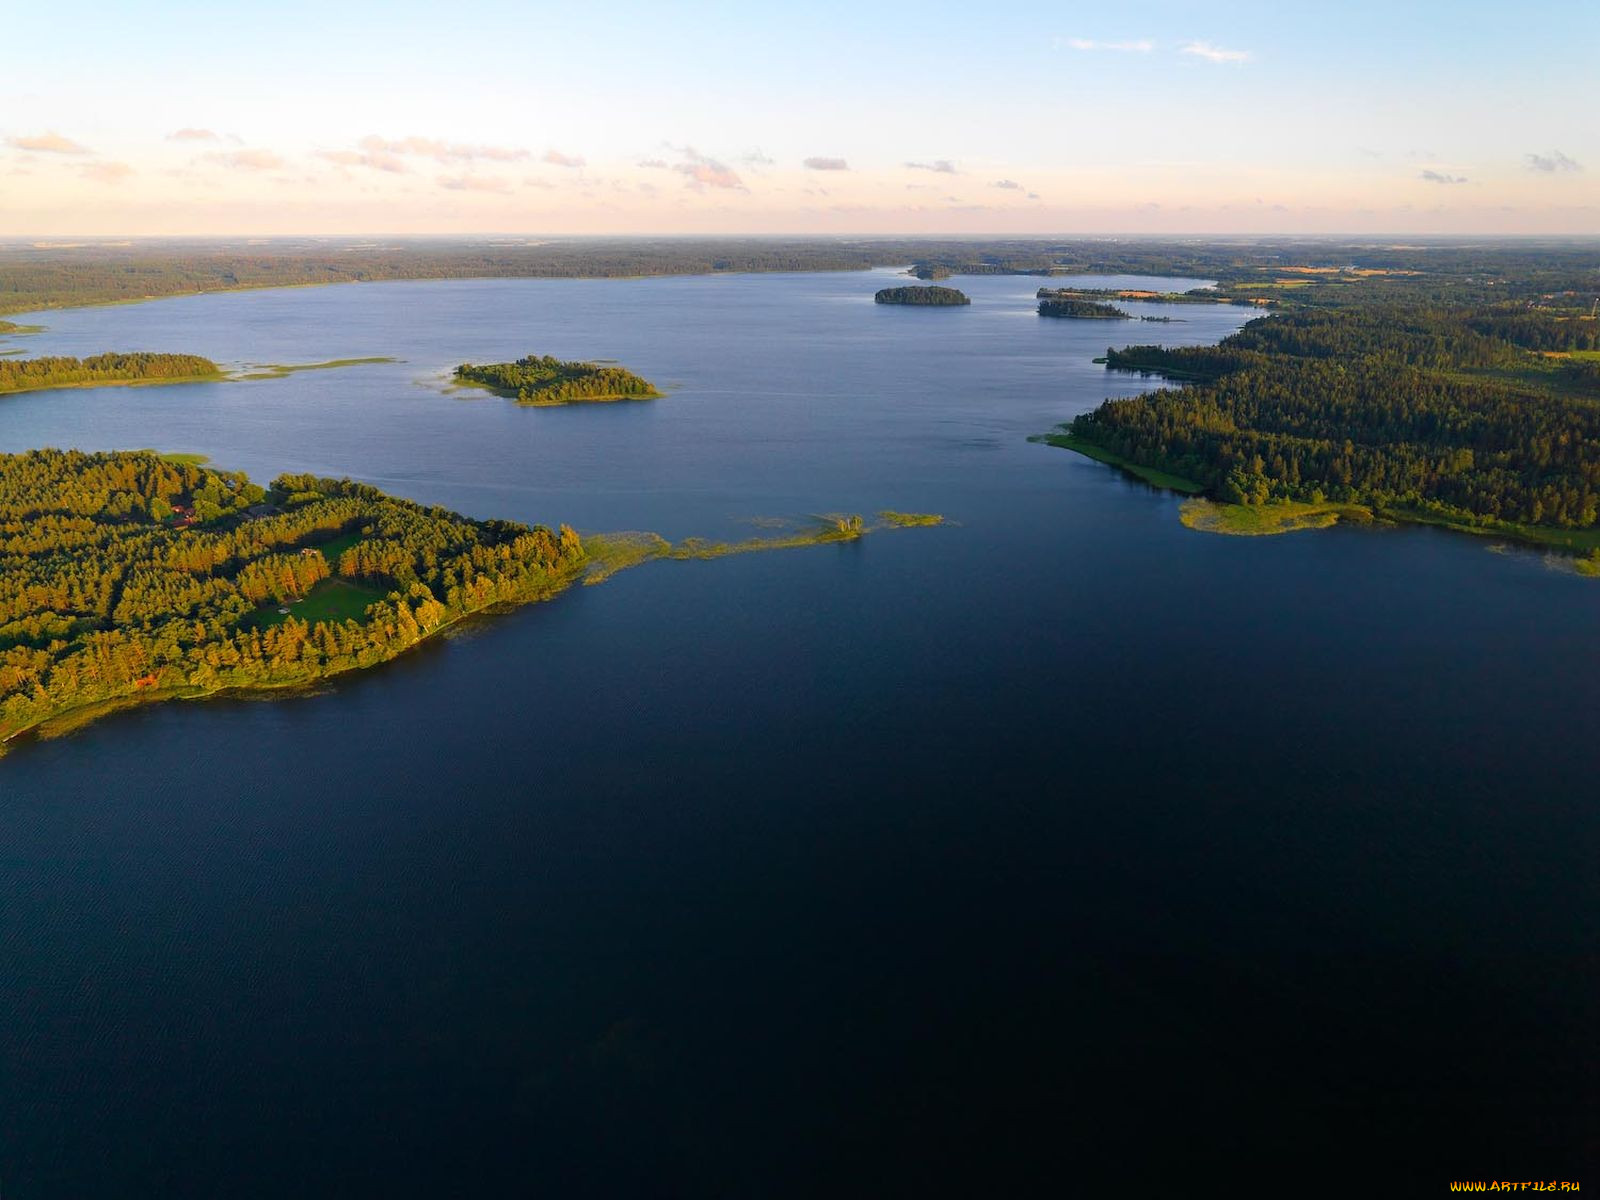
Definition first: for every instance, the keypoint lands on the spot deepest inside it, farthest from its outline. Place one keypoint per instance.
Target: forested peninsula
(928, 297)
(541, 381)
(35, 374)
(130, 577)
(1449, 401)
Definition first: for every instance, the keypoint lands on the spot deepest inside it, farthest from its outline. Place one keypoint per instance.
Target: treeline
(103, 601)
(933, 297)
(1447, 411)
(31, 374)
(34, 277)
(541, 379)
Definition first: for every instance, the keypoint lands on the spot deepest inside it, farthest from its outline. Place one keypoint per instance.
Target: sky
(876, 117)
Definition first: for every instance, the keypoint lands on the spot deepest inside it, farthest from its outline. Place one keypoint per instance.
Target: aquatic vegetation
(279, 370)
(1253, 520)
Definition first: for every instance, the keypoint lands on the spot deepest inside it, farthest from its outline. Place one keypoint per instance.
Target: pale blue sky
(1160, 117)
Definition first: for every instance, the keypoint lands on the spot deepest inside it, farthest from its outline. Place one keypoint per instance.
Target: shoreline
(1292, 516)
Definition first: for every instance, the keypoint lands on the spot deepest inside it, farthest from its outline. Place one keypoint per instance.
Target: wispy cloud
(557, 159)
(1088, 44)
(441, 151)
(654, 164)
(1007, 185)
(826, 164)
(106, 172)
(1214, 54)
(380, 160)
(49, 142)
(247, 160)
(1551, 163)
(941, 166)
(190, 134)
(703, 171)
(474, 183)
(1441, 177)
(757, 159)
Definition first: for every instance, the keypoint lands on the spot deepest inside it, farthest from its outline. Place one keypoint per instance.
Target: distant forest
(126, 576)
(1262, 272)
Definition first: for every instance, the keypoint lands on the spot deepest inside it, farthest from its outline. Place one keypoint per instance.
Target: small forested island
(928, 297)
(35, 374)
(1065, 304)
(1449, 402)
(543, 381)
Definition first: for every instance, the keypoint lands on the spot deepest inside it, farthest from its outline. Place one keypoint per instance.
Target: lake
(1060, 843)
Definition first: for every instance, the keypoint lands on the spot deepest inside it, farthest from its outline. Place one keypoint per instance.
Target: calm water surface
(1061, 842)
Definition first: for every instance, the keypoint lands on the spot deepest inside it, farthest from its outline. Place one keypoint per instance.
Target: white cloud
(826, 164)
(474, 183)
(1441, 177)
(1215, 54)
(439, 150)
(378, 160)
(1087, 44)
(190, 134)
(106, 172)
(941, 166)
(557, 159)
(247, 160)
(1008, 185)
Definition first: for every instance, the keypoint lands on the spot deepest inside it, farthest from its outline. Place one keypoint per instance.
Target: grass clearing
(333, 600)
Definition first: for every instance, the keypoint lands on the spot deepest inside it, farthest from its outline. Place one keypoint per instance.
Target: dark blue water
(1062, 843)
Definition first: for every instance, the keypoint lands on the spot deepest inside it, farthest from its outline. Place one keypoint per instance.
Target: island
(926, 297)
(37, 374)
(541, 381)
(1447, 402)
(130, 577)
(1064, 303)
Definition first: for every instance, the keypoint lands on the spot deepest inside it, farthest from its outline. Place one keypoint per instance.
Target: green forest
(1414, 397)
(127, 576)
(33, 374)
(1073, 307)
(929, 297)
(540, 380)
